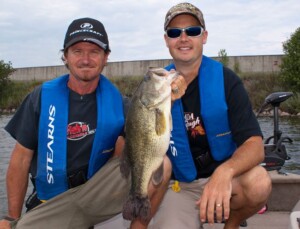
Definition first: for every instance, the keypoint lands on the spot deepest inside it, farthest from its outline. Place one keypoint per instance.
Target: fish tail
(137, 207)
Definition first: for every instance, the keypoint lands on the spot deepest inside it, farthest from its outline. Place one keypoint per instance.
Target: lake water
(290, 126)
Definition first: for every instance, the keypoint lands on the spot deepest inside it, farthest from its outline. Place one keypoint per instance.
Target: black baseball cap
(89, 30)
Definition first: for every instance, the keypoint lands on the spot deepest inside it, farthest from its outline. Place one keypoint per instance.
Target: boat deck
(284, 199)
(268, 220)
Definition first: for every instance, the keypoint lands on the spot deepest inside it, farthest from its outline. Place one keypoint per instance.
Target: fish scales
(147, 128)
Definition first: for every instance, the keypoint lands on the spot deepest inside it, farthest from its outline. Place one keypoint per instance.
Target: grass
(15, 92)
(127, 85)
(258, 87)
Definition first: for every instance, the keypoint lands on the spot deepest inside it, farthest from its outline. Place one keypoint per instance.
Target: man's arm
(219, 188)
(119, 146)
(17, 179)
(246, 157)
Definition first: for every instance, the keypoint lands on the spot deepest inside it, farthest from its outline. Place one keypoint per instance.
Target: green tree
(223, 57)
(290, 67)
(6, 70)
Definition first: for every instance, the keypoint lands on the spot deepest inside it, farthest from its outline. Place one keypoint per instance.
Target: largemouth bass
(147, 128)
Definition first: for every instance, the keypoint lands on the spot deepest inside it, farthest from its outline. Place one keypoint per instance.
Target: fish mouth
(157, 95)
(158, 71)
(161, 73)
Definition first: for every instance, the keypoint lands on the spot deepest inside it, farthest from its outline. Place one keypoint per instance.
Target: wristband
(10, 219)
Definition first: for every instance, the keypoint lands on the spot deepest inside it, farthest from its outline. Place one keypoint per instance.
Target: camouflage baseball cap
(184, 8)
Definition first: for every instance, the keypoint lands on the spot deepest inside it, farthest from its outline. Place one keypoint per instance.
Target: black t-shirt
(80, 131)
(242, 120)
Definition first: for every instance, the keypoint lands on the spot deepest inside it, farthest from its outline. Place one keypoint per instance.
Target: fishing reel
(275, 151)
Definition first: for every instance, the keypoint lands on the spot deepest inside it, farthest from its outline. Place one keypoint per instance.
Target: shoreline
(262, 114)
(7, 111)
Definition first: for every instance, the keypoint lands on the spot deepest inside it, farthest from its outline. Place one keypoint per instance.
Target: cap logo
(86, 26)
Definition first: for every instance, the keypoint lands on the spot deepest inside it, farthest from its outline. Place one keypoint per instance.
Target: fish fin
(158, 174)
(137, 207)
(124, 164)
(160, 122)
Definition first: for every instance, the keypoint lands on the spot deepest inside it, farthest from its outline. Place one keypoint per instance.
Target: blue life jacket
(51, 178)
(215, 119)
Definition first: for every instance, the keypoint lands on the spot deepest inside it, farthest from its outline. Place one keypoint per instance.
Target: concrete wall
(253, 64)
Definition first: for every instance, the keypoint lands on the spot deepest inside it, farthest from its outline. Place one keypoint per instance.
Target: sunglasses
(193, 31)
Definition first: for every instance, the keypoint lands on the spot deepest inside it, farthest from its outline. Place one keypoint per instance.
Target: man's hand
(4, 224)
(215, 200)
(178, 88)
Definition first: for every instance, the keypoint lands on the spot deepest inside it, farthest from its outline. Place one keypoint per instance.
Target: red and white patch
(78, 130)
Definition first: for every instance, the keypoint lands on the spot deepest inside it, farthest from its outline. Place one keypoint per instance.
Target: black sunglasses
(192, 31)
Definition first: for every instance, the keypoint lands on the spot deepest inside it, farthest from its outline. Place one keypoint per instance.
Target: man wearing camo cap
(216, 145)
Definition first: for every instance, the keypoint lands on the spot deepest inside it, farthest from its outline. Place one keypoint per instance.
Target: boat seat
(295, 217)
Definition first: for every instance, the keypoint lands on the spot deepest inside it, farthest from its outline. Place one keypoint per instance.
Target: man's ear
(166, 40)
(204, 37)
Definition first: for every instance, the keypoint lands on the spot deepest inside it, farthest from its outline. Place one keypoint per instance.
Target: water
(288, 125)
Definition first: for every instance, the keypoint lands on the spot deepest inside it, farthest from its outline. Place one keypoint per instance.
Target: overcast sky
(32, 31)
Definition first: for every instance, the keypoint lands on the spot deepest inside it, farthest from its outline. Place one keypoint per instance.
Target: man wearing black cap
(216, 144)
(77, 181)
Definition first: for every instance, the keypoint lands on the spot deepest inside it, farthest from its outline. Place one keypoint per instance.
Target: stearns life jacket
(51, 178)
(215, 118)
